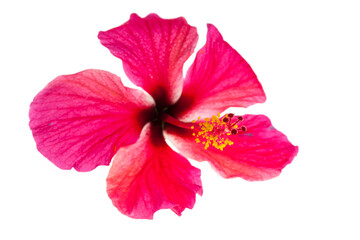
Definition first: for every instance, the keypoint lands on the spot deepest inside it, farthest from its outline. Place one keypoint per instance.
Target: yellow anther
(214, 131)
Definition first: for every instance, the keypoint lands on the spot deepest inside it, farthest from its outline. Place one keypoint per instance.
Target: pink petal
(81, 120)
(153, 51)
(148, 176)
(258, 154)
(218, 79)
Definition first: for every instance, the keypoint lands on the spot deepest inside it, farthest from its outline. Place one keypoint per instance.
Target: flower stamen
(215, 131)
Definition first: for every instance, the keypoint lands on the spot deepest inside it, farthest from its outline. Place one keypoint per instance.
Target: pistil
(215, 131)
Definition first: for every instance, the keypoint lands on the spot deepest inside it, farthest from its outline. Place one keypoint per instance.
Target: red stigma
(216, 131)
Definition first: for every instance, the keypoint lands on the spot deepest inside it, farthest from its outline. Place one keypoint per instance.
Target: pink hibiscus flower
(87, 119)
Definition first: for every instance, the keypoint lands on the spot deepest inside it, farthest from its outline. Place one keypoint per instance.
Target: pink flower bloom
(87, 119)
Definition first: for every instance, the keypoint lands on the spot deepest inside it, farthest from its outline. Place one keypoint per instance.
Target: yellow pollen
(213, 132)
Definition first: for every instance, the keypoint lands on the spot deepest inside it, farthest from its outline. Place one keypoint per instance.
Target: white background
(306, 55)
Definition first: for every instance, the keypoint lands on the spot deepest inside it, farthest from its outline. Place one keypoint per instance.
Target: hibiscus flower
(89, 118)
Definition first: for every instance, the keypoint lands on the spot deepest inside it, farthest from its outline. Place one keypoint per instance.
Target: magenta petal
(258, 154)
(218, 79)
(153, 51)
(148, 176)
(81, 120)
